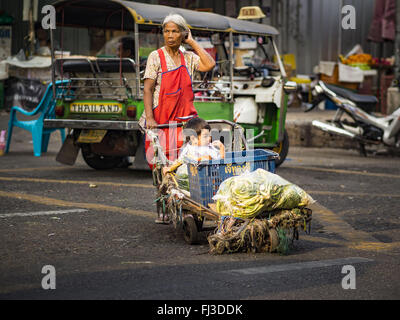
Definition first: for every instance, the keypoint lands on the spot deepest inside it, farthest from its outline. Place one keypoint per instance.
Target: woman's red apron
(175, 104)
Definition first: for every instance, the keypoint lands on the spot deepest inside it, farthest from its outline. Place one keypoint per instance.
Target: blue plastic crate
(206, 177)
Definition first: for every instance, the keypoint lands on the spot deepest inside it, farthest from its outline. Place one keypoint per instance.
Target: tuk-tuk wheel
(190, 233)
(99, 162)
(282, 149)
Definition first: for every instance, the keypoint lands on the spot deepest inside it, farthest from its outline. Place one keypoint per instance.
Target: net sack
(249, 194)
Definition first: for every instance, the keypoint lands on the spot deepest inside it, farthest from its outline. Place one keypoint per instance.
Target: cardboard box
(334, 79)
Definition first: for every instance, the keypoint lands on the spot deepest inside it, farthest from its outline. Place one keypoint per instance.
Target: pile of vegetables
(360, 60)
(248, 195)
(357, 58)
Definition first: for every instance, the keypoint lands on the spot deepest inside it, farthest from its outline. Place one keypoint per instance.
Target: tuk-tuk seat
(99, 66)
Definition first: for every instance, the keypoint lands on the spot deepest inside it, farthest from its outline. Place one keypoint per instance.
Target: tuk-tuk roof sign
(108, 14)
(253, 12)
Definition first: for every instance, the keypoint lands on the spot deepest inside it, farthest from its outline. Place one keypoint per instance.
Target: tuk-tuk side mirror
(290, 87)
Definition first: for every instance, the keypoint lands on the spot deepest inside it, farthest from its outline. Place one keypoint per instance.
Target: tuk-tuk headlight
(131, 111)
(290, 87)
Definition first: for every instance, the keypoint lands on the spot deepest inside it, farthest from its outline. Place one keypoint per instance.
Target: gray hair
(178, 20)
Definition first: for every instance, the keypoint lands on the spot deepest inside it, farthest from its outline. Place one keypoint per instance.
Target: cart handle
(170, 125)
(181, 124)
(162, 126)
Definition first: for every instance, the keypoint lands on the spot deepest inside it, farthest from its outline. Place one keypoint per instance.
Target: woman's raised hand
(189, 38)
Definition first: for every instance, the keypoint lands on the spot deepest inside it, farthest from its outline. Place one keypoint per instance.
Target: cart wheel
(273, 239)
(282, 149)
(190, 233)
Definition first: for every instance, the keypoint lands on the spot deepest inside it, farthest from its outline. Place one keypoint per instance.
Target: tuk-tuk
(103, 99)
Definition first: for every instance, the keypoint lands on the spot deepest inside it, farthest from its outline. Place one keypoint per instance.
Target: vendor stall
(347, 76)
(361, 73)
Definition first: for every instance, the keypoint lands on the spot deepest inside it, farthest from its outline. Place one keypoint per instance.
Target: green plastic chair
(46, 109)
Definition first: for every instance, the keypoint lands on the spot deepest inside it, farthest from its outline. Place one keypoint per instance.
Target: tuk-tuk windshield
(255, 52)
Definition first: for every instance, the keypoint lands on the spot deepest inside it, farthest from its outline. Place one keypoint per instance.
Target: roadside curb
(302, 133)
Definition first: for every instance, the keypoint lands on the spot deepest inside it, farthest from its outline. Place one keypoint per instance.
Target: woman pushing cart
(168, 102)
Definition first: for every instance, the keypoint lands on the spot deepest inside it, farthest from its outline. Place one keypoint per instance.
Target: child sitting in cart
(198, 144)
(198, 147)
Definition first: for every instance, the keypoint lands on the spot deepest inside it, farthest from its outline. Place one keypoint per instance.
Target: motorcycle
(354, 120)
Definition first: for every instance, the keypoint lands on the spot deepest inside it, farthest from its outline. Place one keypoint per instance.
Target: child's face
(203, 139)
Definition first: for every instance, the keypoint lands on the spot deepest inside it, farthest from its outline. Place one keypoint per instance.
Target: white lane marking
(300, 266)
(40, 213)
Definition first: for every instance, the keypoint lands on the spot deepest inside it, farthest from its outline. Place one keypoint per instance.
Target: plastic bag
(182, 177)
(249, 194)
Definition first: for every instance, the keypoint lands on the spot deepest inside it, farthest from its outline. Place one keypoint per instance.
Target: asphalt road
(96, 228)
